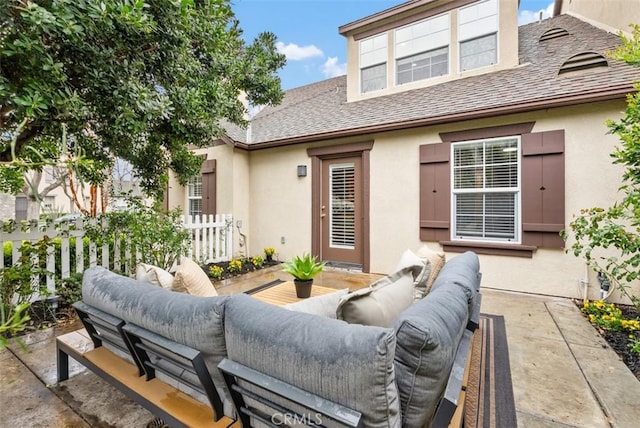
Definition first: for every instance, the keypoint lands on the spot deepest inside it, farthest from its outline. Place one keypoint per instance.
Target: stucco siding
(280, 202)
(610, 15)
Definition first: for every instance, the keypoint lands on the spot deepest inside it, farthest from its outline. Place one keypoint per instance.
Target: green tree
(609, 238)
(84, 82)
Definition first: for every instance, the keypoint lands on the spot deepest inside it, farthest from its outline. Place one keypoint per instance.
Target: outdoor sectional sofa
(257, 364)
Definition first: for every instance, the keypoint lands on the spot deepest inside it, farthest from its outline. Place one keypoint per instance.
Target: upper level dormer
(426, 42)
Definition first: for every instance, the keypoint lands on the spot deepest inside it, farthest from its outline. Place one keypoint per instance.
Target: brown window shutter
(209, 186)
(543, 188)
(435, 192)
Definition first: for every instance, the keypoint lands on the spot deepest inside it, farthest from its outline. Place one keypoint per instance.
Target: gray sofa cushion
(427, 334)
(190, 320)
(325, 305)
(349, 364)
(462, 271)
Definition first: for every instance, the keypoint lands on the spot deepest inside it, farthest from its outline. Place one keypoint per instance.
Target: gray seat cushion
(428, 334)
(351, 365)
(190, 320)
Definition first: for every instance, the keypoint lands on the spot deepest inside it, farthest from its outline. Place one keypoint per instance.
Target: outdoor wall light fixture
(302, 170)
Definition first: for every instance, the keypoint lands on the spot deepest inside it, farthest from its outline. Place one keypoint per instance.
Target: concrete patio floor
(563, 372)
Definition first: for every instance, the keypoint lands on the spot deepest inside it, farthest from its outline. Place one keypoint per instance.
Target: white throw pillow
(191, 279)
(154, 275)
(324, 305)
(421, 272)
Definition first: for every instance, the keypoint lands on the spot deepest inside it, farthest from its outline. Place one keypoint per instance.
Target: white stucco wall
(610, 15)
(280, 204)
(280, 201)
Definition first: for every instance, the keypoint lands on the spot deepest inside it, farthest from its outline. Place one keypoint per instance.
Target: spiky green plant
(303, 268)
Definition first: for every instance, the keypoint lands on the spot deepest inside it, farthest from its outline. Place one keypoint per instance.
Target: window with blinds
(477, 33)
(373, 63)
(422, 49)
(486, 190)
(342, 227)
(194, 196)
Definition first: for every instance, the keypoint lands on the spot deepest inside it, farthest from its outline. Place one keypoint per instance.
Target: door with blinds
(341, 214)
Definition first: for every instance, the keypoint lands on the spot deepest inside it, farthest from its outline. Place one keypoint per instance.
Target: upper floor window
(486, 190)
(194, 196)
(422, 50)
(478, 35)
(373, 63)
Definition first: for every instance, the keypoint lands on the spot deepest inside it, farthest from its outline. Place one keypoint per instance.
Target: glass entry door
(341, 210)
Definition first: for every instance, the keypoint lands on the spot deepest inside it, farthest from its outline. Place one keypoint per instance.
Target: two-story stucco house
(453, 128)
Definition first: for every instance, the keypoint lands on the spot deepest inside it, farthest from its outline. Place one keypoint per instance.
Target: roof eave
(562, 101)
(376, 17)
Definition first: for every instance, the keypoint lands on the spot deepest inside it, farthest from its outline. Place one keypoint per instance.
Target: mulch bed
(247, 267)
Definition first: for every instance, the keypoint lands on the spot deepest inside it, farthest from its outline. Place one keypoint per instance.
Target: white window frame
(372, 53)
(478, 27)
(193, 194)
(515, 190)
(426, 36)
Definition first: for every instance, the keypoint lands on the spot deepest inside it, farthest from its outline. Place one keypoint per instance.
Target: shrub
(159, 236)
(257, 261)
(608, 317)
(634, 344)
(216, 272)
(235, 266)
(70, 289)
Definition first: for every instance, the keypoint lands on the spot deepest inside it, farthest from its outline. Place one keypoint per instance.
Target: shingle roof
(320, 110)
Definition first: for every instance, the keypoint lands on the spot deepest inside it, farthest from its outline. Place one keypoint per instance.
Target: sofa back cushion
(351, 365)
(190, 320)
(428, 334)
(461, 271)
(381, 302)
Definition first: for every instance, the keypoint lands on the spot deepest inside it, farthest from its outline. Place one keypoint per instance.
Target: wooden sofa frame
(150, 353)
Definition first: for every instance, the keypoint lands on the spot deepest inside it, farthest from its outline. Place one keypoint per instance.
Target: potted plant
(303, 269)
(268, 252)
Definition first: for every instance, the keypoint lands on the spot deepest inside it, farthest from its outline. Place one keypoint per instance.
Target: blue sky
(307, 31)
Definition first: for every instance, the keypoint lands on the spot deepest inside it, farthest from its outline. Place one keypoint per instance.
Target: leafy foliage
(19, 283)
(24, 279)
(257, 261)
(12, 323)
(609, 317)
(138, 80)
(235, 266)
(609, 238)
(159, 237)
(303, 268)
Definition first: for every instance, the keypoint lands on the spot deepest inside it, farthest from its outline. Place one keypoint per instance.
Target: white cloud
(296, 53)
(331, 68)
(527, 16)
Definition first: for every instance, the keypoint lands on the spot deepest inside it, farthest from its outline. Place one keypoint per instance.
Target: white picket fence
(211, 241)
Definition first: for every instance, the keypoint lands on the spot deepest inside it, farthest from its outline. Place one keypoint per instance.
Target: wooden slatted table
(285, 293)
